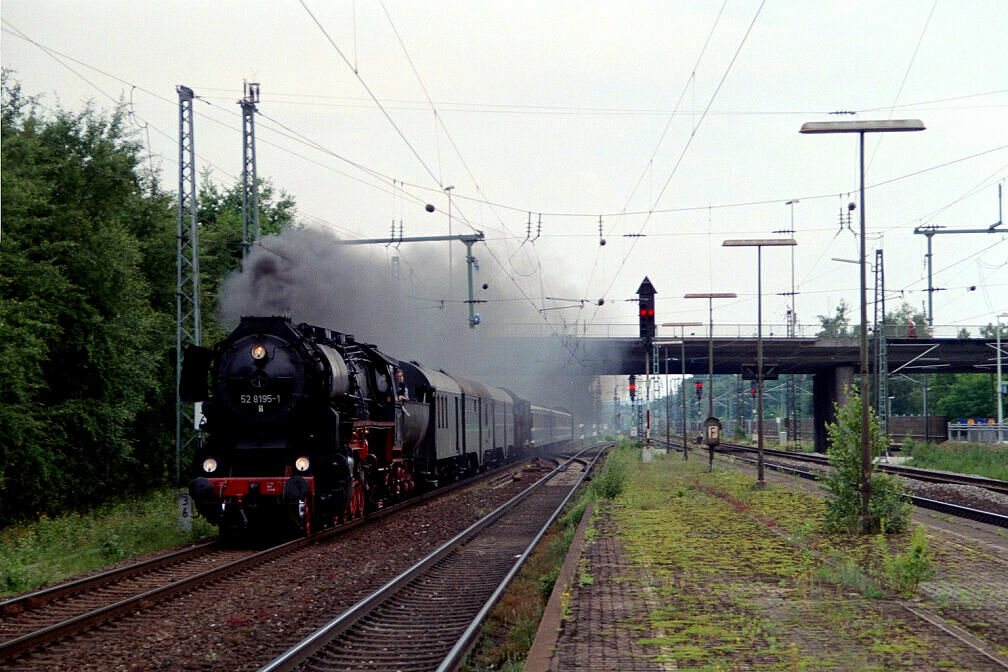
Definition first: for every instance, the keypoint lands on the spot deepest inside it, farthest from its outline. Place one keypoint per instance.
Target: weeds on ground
(730, 593)
(52, 549)
(962, 458)
(906, 571)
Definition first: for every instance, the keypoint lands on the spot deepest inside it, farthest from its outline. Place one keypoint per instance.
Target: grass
(731, 593)
(962, 458)
(51, 549)
(745, 578)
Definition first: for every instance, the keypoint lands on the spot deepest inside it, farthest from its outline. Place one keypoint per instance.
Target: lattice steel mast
(187, 276)
(250, 188)
(882, 359)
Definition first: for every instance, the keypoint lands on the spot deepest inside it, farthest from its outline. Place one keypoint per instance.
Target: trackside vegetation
(888, 508)
(961, 458)
(51, 549)
(88, 301)
(747, 578)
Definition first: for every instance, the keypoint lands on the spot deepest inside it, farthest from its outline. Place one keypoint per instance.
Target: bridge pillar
(828, 388)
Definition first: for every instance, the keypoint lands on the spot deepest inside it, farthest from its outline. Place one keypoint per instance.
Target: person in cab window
(401, 391)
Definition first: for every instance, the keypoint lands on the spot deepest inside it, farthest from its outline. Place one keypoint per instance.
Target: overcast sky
(673, 123)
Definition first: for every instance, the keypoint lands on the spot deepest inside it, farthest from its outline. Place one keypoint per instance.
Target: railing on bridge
(722, 330)
(975, 432)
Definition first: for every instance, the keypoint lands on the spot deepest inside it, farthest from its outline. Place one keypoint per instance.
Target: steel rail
(37, 598)
(929, 475)
(20, 645)
(988, 517)
(318, 640)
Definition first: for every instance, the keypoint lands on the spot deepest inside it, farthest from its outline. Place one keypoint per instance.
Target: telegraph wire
(686, 147)
(374, 98)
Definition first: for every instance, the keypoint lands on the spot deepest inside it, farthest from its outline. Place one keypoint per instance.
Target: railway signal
(633, 387)
(699, 391)
(646, 305)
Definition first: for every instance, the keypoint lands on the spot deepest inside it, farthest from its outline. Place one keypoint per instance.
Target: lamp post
(710, 296)
(862, 127)
(1000, 391)
(682, 385)
(448, 191)
(759, 244)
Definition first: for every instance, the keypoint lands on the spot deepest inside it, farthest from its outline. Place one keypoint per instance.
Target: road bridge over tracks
(833, 362)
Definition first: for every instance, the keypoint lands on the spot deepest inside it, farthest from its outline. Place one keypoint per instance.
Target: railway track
(821, 462)
(928, 475)
(44, 617)
(989, 517)
(33, 621)
(428, 617)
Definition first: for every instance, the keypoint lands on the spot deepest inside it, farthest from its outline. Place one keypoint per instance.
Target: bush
(610, 483)
(888, 509)
(905, 571)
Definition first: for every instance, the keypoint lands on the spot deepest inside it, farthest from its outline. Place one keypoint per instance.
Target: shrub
(888, 509)
(609, 484)
(905, 571)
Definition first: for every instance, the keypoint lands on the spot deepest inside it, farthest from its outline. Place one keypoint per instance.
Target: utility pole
(250, 188)
(187, 291)
(930, 231)
(466, 238)
(882, 359)
(791, 385)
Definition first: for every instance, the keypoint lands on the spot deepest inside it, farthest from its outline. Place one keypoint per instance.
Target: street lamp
(448, 191)
(862, 127)
(682, 388)
(1000, 391)
(710, 296)
(759, 244)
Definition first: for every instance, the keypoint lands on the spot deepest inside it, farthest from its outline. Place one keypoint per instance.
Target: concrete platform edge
(541, 655)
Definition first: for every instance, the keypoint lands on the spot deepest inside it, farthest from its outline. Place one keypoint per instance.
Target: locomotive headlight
(302, 464)
(258, 351)
(209, 465)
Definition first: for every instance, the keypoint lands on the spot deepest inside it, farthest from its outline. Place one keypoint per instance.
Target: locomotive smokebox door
(712, 431)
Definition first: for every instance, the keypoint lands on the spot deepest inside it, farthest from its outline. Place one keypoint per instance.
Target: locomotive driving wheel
(355, 509)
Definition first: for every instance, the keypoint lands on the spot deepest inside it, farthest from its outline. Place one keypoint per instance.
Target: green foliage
(906, 571)
(610, 483)
(220, 217)
(962, 458)
(837, 326)
(963, 395)
(87, 305)
(887, 508)
(83, 346)
(51, 549)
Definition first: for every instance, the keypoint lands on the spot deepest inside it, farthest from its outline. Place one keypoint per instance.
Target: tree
(906, 392)
(888, 511)
(220, 220)
(964, 395)
(83, 348)
(837, 326)
(898, 323)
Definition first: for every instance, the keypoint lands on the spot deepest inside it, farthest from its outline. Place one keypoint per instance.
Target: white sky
(581, 109)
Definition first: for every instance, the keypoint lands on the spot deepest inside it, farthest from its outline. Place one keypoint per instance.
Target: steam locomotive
(307, 427)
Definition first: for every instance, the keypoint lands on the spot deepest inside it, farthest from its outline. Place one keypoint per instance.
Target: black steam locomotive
(307, 426)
